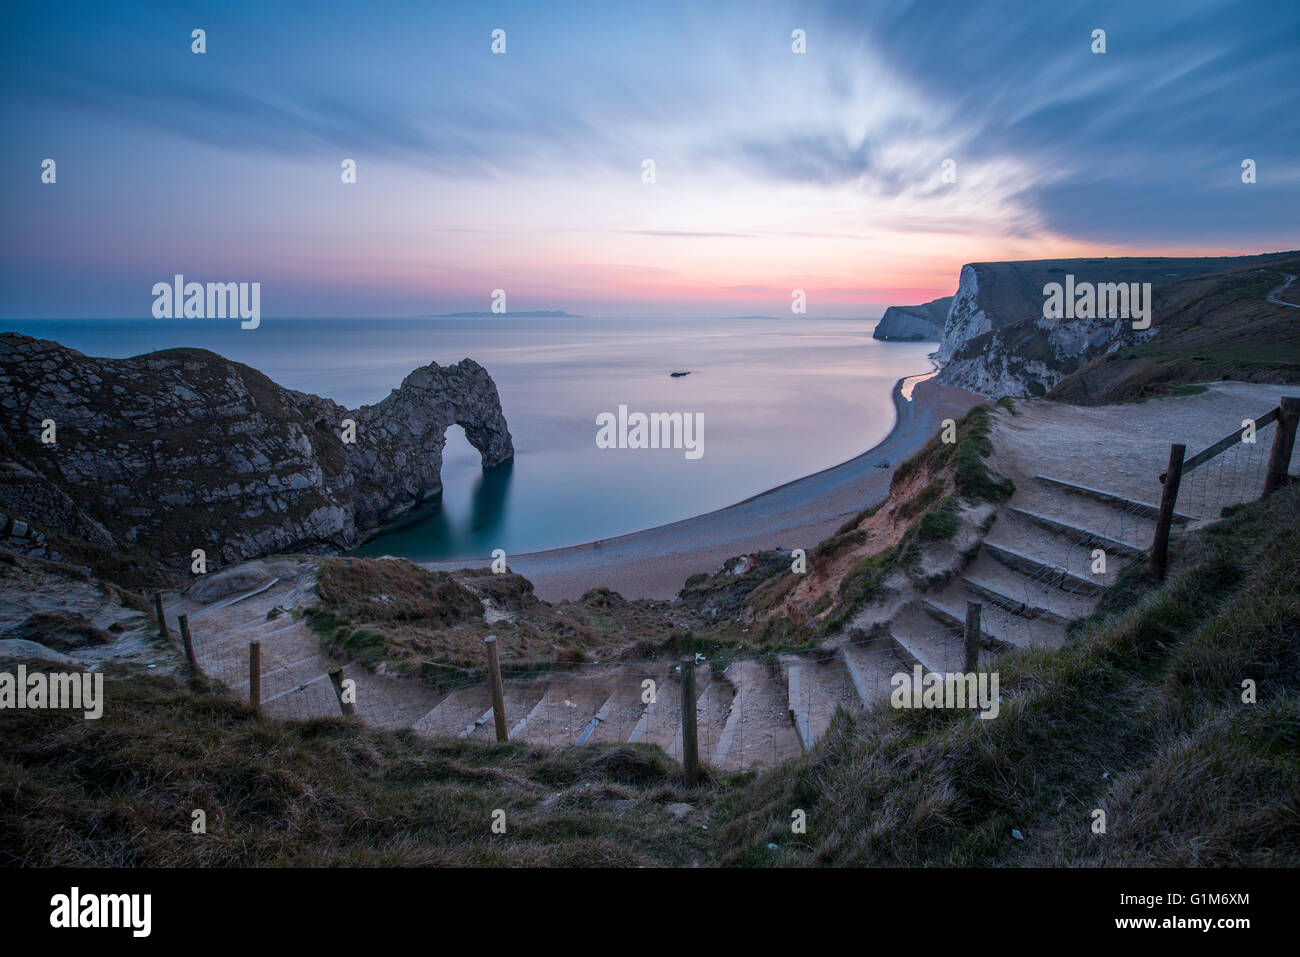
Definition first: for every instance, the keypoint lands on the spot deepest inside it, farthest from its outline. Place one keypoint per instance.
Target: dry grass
(120, 792)
(1140, 715)
(420, 622)
(1209, 328)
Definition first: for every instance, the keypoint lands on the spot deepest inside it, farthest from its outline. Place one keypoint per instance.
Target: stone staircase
(750, 712)
(1034, 573)
(1032, 576)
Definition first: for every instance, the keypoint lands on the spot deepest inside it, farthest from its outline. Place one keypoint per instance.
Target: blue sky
(522, 171)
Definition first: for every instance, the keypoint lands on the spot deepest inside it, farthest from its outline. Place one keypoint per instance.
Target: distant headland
(537, 314)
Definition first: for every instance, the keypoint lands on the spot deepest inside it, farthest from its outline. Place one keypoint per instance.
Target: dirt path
(1124, 448)
(1273, 294)
(1087, 485)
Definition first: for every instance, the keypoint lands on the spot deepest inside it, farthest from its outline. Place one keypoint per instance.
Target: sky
(774, 170)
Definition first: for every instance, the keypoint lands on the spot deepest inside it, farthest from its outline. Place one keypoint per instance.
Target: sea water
(778, 399)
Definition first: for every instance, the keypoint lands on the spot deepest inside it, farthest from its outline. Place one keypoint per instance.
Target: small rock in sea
(678, 375)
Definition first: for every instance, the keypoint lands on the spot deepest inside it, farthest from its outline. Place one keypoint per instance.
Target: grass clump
(974, 479)
(393, 590)
(972, 476)
(865, 582)
(941, 523)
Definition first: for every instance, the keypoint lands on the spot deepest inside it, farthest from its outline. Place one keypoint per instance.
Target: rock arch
(397, 463)
(183, 449)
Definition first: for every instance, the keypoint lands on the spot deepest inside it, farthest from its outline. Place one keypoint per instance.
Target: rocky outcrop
(997, 342)
(923, 323)
(184, 449)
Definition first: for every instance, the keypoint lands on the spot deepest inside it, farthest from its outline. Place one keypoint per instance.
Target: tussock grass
(120, 792)
(393, 590)
(923, 501)
(941, 523)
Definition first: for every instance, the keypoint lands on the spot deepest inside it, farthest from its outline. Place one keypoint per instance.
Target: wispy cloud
(770, 163)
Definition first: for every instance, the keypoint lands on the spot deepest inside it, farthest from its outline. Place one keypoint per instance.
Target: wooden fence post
(1279, 458)
(498, 693)
(690, 743)
(336, 679)
(188, 640)
(973, 609)
(255, 675)
(1168, 497)
(162, 619)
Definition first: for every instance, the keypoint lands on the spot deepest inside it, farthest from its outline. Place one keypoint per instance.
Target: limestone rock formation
(923, 323)
(997, 342)
(185, 449)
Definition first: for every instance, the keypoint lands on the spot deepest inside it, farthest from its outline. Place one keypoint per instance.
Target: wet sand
(655, 562)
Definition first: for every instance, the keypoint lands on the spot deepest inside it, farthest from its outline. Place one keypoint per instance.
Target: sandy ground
(1124, 448)
(656, 562)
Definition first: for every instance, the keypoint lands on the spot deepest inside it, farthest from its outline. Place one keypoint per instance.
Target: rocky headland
(183, 449)
(923, 323)
(995, 340)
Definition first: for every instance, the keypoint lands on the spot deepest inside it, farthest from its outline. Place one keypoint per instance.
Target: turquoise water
(780, 399)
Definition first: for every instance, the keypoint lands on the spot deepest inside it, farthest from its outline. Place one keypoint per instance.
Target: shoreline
(655, 562)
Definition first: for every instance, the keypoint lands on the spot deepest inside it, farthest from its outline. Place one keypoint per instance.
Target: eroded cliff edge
(923, 323)
(996, 340)
(184, 449)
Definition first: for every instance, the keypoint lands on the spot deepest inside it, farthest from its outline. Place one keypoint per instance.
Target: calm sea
(780, 399)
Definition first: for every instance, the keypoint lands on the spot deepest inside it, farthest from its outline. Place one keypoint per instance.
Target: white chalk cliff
(996, 340)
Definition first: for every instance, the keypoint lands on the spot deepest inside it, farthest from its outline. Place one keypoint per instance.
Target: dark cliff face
(923, 323)
(184, 449)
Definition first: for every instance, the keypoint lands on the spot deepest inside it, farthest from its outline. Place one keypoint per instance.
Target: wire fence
(1061, 563)
(1231, 477)
(751, 710)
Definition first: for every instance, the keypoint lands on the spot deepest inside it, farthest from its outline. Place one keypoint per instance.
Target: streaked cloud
(524, 170)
